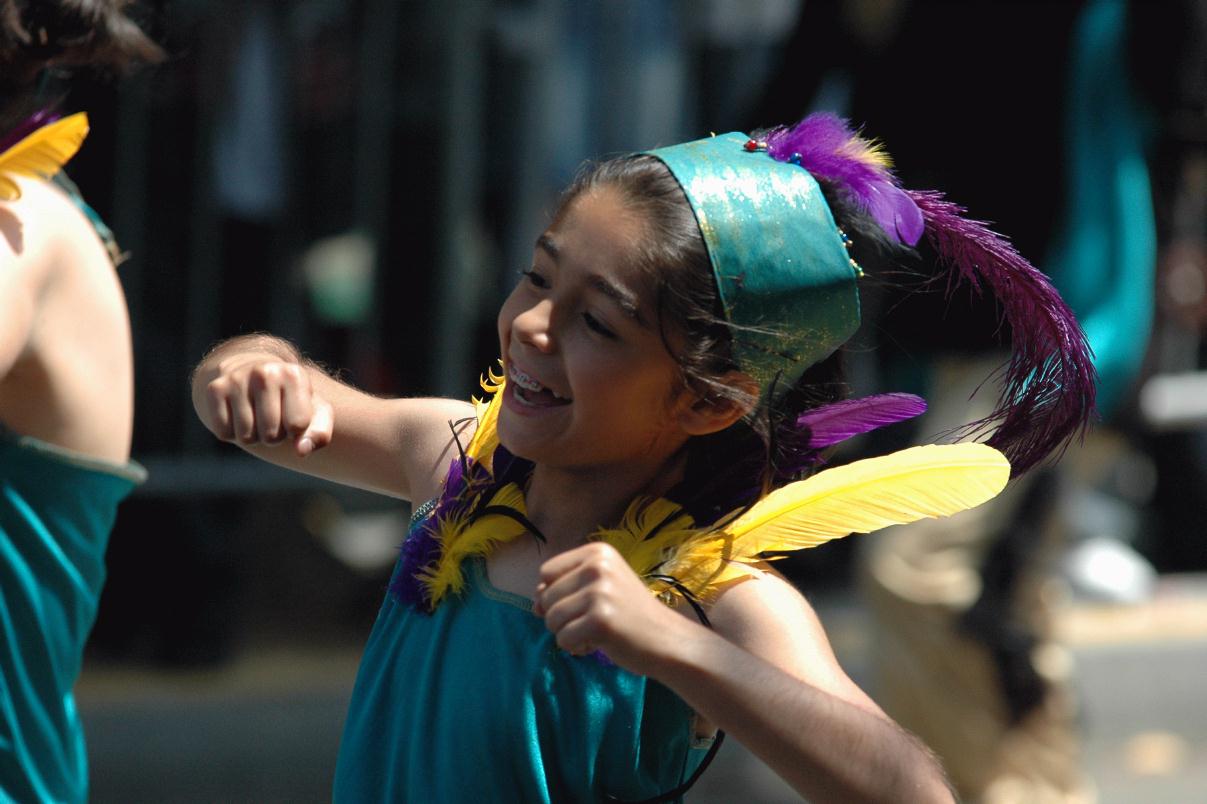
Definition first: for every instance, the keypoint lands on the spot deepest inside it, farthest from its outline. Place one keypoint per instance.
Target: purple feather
(1049, 381)
(830, 424)
(830, 150)
(421, 549)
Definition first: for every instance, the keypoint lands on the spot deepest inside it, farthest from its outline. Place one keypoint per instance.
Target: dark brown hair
(36, 34)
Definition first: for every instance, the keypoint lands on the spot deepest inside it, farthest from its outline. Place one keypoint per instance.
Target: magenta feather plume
(825, 145)
(1049, 382)
(836, 422)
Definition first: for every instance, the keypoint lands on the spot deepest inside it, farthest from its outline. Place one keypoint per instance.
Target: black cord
(510, 513)
(680, 790)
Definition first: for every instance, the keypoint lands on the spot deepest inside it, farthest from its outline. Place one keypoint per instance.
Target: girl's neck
(568, 505)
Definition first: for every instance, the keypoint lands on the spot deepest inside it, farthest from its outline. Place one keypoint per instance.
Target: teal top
(56, 510)
(476, 703)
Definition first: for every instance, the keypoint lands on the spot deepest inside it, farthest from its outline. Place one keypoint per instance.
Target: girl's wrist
(682, 650)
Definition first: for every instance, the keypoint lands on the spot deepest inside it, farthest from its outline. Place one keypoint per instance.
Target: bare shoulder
(64, 331)
(42, 235)
(24, 241)
(766, 615)
(762, 606)
(44, 224)
(434, 431)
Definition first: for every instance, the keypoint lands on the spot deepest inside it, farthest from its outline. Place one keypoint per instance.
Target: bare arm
(20, 283)
(766, 675)
(258, 392)
(66, 373)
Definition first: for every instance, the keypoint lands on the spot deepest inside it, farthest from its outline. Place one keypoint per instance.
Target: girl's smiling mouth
(530, 393)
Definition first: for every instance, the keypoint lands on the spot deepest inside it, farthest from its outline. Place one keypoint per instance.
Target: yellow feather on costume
(660, 541)
(42, 154)
(486, 436)
(459, 541)
(916, 483)
(631, 538)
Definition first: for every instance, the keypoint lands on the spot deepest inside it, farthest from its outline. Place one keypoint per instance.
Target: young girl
(64, 346)
(581, 602)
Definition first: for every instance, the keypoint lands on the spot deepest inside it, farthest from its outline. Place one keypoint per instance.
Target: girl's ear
(704, 413)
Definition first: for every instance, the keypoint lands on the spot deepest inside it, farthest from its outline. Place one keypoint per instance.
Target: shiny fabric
(56, 510)
(476, 703)
(786, 281)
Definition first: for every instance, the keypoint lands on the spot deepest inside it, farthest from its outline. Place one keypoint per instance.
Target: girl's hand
(260, 398)
(592, 600)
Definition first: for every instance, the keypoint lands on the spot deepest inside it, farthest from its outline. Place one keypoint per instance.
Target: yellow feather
(459, 541)
(913, 484)
(917, 483)
(704, 564)
(42, 154)
(486, 436)
(643, 515)
(869, 151)
(443, 575)
(493, 383)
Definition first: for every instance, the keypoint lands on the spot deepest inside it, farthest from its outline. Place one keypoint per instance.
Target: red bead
(751, 145)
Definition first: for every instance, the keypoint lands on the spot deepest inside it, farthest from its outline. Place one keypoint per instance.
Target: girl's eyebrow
(625, 300)
(546, 244)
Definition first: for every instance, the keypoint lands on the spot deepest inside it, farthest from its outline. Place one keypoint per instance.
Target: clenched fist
(591, 600)
(261, 398)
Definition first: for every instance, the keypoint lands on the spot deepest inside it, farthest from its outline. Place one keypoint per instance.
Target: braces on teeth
(528, 384)
(524, 381)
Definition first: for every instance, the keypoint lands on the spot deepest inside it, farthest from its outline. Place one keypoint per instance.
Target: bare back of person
(66, 362)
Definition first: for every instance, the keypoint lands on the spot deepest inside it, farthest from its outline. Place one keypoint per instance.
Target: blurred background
(367, 177)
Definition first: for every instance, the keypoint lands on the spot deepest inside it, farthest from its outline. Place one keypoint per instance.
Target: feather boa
(678, 558)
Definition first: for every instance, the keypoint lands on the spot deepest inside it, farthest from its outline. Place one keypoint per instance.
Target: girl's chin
(511, 446)
(515, 440)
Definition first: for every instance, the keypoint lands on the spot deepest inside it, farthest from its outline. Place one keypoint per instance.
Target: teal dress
(56, 510)
(476, 703)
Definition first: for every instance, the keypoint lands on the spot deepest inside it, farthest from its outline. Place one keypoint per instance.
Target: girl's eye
(535, 279)
(594, 324)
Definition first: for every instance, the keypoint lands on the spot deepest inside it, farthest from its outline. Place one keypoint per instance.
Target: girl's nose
(534, 326)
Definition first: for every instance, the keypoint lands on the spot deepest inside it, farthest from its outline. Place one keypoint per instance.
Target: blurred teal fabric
(1104, 259)
(56, 511)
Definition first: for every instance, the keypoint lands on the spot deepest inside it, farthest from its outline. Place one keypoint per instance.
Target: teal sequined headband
(785, 279)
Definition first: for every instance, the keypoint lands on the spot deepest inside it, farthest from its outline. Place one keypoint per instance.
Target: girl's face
(590, 381)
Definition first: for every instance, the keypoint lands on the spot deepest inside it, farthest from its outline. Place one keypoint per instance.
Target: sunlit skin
(64, 331)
